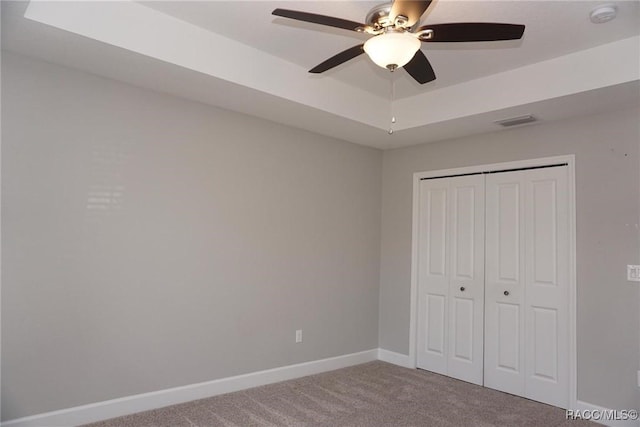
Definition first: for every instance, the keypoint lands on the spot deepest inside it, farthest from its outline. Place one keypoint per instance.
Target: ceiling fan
(397, 36)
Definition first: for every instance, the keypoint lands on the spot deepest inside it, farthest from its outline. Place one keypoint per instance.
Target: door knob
(462, 288)
(506, 293)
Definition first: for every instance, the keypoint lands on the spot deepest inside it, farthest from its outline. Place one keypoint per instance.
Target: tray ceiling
(236, 55)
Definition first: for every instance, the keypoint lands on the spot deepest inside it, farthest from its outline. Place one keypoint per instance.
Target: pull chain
(392, 95)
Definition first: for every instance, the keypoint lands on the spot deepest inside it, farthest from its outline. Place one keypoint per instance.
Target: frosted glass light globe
(392, 49)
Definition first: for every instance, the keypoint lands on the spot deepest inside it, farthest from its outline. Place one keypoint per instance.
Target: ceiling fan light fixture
(397, 34)
(392, 49)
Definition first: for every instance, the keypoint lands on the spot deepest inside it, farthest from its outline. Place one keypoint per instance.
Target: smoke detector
(604, 13)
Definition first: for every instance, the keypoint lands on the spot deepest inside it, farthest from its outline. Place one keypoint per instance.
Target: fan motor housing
(378, 17)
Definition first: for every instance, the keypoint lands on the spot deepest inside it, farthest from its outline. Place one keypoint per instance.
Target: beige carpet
(368, 395)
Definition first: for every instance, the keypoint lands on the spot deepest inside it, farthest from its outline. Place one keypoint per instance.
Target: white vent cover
(515, 121)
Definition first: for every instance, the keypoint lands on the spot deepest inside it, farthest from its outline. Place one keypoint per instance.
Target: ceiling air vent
(515, 121)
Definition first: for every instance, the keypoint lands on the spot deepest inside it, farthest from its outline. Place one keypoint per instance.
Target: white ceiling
(552, 29)
(236, 55)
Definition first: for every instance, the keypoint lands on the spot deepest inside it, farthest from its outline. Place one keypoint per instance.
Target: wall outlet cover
(633, 273)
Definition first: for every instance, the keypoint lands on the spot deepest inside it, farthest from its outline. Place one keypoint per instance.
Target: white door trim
(545, 161)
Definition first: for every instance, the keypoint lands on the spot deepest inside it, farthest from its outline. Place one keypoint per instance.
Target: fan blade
(411, 9)
(473, 32)
(338, 59)
(420, 69)
(318, 19)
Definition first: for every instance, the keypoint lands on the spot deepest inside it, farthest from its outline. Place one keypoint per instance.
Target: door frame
(571, 184)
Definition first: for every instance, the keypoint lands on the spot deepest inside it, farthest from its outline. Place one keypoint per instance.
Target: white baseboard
(143, 402)
(394, 358)
(584, 406)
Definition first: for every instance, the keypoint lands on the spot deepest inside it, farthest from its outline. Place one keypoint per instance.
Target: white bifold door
(451, 277)
(493, 253)
(526, 289)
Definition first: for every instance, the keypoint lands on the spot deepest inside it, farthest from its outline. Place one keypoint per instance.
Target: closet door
(526, 290)
(451, 277)
(504, 285)
(547, 286)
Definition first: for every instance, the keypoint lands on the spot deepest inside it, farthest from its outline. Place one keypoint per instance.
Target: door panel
(464, 223)
(544, 232)
(504, 285)
(435, 325)
(545, 343)
(507, 226)
(547, 299)
(451, 277)
(437, 229)
(433, 280)
(462, 332)
(526, 296)
(508, 345)
(466, 283)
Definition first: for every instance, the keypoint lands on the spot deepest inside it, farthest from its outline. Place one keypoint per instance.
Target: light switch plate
(633, 273)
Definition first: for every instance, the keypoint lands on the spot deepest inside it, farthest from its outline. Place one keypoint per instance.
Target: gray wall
(151, 242)
(608, 191)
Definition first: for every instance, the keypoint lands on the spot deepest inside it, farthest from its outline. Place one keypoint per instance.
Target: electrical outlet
(298, 336)
(633, 273)
(638, 378)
